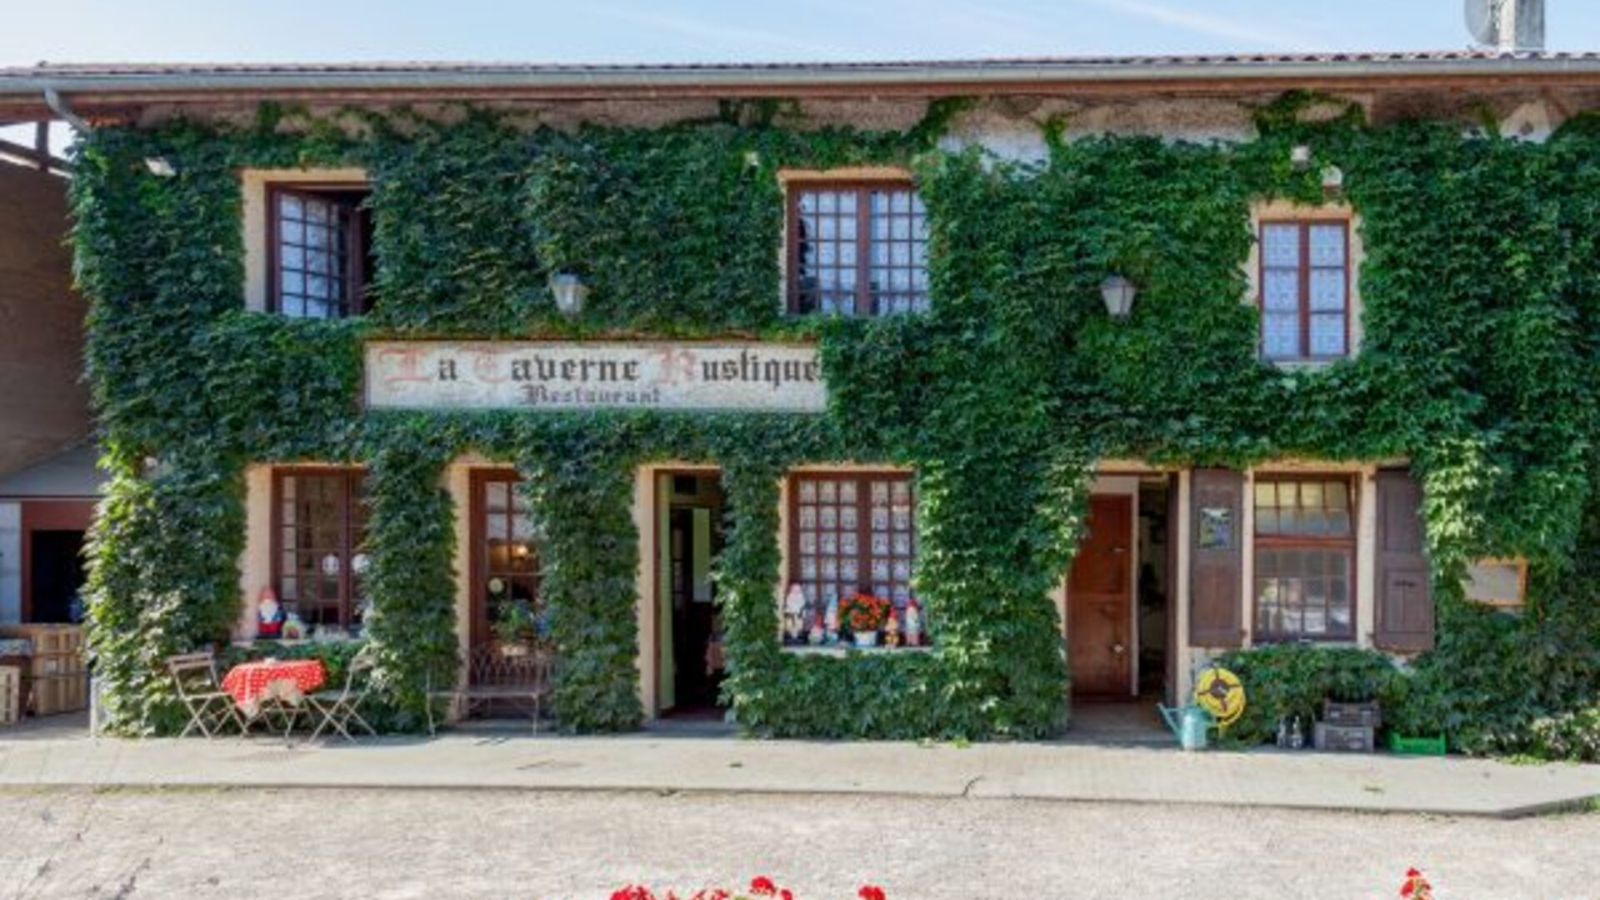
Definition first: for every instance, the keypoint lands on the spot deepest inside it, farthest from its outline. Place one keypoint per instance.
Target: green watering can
(1191, 724)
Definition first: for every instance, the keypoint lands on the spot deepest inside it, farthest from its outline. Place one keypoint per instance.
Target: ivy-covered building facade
(894, 400)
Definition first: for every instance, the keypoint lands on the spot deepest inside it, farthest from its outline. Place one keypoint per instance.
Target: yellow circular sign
(1219, 692)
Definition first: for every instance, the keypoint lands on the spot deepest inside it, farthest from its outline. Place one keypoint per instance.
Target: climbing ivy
(1481, 300)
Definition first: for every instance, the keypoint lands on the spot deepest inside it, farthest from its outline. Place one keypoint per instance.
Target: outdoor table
(269, 685)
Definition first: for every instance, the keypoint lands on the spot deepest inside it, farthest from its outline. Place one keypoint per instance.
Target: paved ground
(438, 845)
(653, 762)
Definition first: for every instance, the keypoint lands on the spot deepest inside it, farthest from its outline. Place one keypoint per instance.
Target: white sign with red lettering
(600, 375)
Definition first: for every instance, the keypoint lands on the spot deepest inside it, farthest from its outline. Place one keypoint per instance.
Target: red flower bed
(760, 886)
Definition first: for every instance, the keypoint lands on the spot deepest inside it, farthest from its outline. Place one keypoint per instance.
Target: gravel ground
(307, 844)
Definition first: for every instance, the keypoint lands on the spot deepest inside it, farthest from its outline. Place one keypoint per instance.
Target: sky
(632, 31)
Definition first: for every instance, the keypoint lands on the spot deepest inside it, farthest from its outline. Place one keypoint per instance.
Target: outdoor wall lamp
(570, 292)
(159, 166)
(1118, 293)
(1300, 157)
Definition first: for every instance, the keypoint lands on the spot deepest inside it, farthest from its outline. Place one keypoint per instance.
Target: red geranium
(863, 612)
(870, 892)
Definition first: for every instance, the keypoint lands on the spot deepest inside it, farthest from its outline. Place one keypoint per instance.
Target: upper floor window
(857, 249)
(1305, 289)
(319, 261)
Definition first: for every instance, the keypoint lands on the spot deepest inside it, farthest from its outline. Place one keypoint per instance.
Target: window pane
(1327, 290)
(1327, 245)
(1281, 290)
(1327, 335)
(1280, 244)
(1280, 335)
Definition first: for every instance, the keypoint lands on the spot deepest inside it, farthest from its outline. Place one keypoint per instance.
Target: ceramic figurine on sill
(833, 620)
(794, 605)
(817, 632)
(269, 616)
(294, 628)
(913, 624)
(891, 630)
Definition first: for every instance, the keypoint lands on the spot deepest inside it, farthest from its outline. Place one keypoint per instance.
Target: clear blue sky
(729, 30)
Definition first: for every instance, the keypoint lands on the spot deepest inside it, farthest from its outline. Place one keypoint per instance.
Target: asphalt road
(309, 844)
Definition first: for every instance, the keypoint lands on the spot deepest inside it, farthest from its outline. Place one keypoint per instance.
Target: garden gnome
(913, 627)
(269, 615)
(794, 605)
(891, 630)
(833, 620)
(817, 632)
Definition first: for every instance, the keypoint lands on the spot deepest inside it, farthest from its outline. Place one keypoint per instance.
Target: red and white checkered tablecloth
(249, 682)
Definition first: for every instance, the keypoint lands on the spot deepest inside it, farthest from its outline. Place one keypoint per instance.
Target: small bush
(1294, 679)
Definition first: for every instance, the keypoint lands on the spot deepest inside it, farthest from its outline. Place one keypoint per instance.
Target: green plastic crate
(1416, 746)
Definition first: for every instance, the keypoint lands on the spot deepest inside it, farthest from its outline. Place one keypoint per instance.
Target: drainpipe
(63, 112)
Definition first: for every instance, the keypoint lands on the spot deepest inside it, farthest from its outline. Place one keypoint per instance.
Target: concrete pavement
(659, 763)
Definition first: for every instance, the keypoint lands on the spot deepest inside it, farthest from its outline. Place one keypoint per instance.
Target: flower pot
(866, 638)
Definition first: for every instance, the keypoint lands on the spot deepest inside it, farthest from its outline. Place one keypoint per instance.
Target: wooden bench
(501, 675)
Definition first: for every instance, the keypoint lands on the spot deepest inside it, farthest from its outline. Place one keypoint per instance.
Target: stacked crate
(1348, 727)
(57, 676)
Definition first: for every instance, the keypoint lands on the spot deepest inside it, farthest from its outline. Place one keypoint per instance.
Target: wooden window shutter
(1216, 559)
(1405, 595)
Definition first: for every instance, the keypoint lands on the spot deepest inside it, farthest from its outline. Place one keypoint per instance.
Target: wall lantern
(570, 292)
(1332, 180)
(1300, 157)
(1118, 292)
(159, 166)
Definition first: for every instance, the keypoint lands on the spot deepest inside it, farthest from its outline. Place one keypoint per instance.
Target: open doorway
(689, 647)
(1118, 612)
(56, 570)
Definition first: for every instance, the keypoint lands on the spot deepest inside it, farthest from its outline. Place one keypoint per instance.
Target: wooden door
(505, 562)
(1100, 600)
(1405, 597)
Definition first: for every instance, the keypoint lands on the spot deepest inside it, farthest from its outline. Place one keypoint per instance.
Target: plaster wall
(41, 323)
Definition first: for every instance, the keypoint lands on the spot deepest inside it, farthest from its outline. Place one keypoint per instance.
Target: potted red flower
(864, 615)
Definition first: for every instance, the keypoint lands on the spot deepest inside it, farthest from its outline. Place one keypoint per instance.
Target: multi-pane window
(857, 249)
(852, 533)
(506, 563)
(1305, 289)
(1304, 558)
(320, 264)
(318, 557)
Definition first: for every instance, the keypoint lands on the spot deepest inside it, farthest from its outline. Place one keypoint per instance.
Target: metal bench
(500, 676)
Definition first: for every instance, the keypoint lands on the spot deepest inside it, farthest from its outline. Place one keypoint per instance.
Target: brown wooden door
(1405, 596)
(505, 562)
(1100, 600)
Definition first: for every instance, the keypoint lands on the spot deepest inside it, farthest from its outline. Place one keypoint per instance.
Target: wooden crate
(10, 695)
(1345, 738)
(48, 639)
(57, 676)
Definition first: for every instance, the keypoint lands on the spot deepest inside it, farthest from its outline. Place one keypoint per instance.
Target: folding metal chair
(340, 709)
(211, 709)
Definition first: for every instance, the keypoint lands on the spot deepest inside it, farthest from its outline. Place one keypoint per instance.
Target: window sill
(1301, 365)
(850, 649)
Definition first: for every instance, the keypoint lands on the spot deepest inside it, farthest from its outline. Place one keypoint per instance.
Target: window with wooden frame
(319, 528)
(852, 533)
(1305, 289)
(319, 262)
(505, 560)
(857, 248)
(1305, 558)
